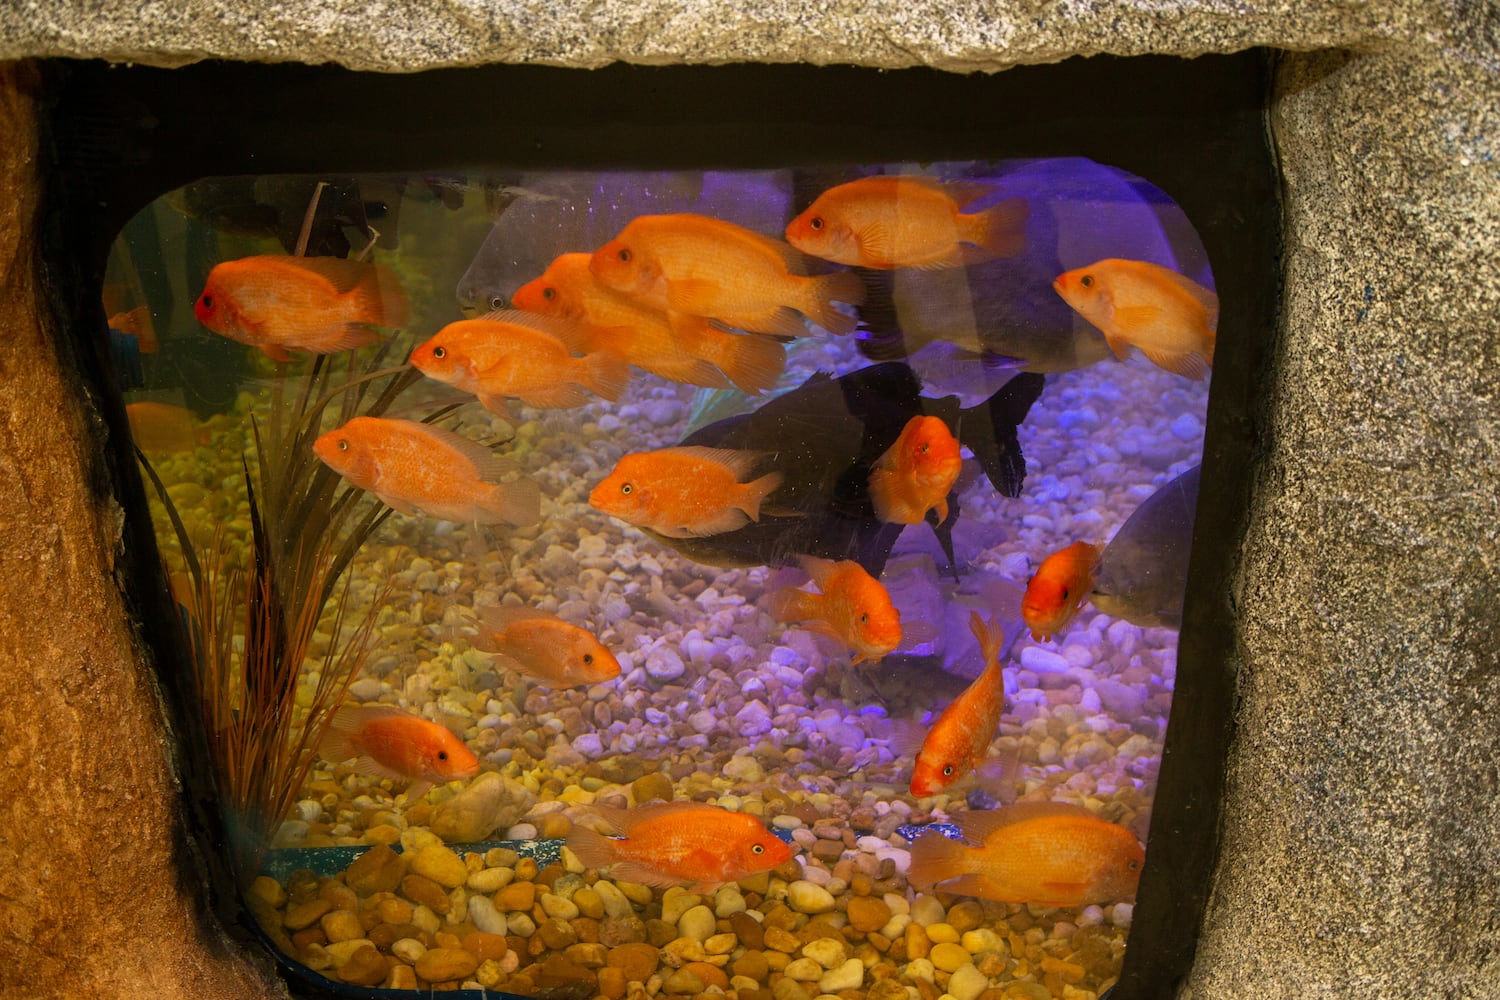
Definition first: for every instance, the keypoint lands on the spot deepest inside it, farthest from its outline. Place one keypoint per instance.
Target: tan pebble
(612, 983)
(948, 956)
(966, 915)
(516, 896)
(983, 939)
(683, 981)
(637, 960)
(377, 870)
(827, 952)
(408, 949)
(442, 865)
(393, 911)
(752, 964)
(485, 946)
(720, 944)
(556, 934)
(804, 970)
(554, 826)
(651, 786)
(777, 939)
(425, 892)
(746, 987)
(341, 896)
(917, 944)
(366, 967)
(401, 977)
(526, 869)
(748, 929)
(269, 891)
(589, 903)
(589, 954)
(1069, 971)
(316, 957)
(382, 833)
(490, 974)
(866, 913)
(489, 880)
(849, 975)
(425, 919)
(343, 925)
(559, 970)
(787, 988)
(556, 906)
(438, 965)
(300, 915)
(886, 989)
(342, 950)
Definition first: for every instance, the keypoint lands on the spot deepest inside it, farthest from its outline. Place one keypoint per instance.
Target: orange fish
(392, 743)
(854, 608)
(543, 647)
(318, 304)
(685, 492)
(680, 843)
(417, 468)
(1058, 589)
(960, 738)
(1043, 853)
(890, 222)
(689, 350)
(1169, 317)
(514, 353)
(706, 267)
(916, 473)
(164, 427)
(137, 323)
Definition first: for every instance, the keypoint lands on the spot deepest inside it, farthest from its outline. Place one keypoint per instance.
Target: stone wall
(1360, 852)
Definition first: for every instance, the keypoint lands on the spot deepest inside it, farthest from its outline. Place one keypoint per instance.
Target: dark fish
(1141, 575)
(1004, 311)
(824, 436)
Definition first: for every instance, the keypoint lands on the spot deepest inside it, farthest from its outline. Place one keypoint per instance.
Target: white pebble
(664, 664)
(484, 915)
(808, 897)
(1044, 661)
(848, 976)
(1186, 427)
(967, 983)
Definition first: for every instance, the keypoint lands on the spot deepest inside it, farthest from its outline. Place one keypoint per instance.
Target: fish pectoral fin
(1188, 364)
(275, 352)
(961, 255)
(635, 871)
(417, 789)
(874, 244)
(697, 296)
(563, 396)
(397, 504)
(1063, 893)
(1119, 345)
(496, 405)
(978, 886)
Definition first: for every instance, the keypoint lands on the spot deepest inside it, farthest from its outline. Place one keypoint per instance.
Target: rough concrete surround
(1361, 829)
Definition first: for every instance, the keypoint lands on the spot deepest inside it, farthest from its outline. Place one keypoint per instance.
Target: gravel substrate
(717, 702)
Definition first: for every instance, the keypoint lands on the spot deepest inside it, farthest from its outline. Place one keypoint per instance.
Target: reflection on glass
(754, 581)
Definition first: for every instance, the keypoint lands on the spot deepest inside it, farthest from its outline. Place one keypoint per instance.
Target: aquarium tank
(635, 578)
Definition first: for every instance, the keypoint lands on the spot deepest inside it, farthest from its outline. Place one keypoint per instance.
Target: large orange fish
(1168, 316)
(164, 427)
(1043, 853)
(916, 473)
(706, 267)
(514, 353)
(680, 843)
(853, 608)
(392, 743)
(685, 492)
(318, 304)
(418, 468)
(890, 222)
(689, 350)
(959, 739)
(543, 647)
(1058, 589)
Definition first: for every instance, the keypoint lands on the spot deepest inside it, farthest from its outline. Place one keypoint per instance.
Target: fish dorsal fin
(626, 820)
(1188, 364)
(907, 737)
(499, 617)
(916, 633)
(978, 827)
(740, 462)
(818, 569)
(572, 336)
(991, 637)
(1203, 296)
(487, 465)
(342, 273)
(964, 192)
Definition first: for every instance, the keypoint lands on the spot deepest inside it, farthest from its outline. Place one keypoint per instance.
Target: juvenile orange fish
(1058, 589)
(137, 323)
(514, 353)
(1042, 853)
(417, 468)
(689, 351)
(960, 737)
(1169, 317)
(707, 267)
(685, 492)
(164, 427)
(890, 222)
(318, 304)
(916, 473)
(680, 843)
(543, 647)
(853, 608)
(392, 743)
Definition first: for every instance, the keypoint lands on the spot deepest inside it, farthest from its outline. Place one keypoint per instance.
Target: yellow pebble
(939, 933)
(948, 956)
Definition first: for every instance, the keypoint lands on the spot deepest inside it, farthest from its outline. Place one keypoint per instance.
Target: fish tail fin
(1001, 230)
(845, 286)
(607, 375)
(989, 431)
(756, 492)
(592, 849)
(997, 775)
(518, 503)
(793, 604)
(753, 364)
(337, 744)
(990, 636)
(378, 299)
(934, 859)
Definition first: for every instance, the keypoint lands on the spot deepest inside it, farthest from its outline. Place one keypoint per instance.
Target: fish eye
(624, 255)
(497, 301)
(1087, 281)
(864, 619)
(343, 444)
(816, 223)
(757, 848)
(549, 293)
(588, 657)
(948, 771)
(1134, 864)
(1065, 593)
(440, 352)
(442, 755)
(208, 301)
(626, 488)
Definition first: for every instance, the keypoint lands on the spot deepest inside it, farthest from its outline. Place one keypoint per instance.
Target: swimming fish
(1058, 589)
(852, 608)
(164, 427)
(318, 304)
(694, 264)
(825, 437)
(418, 468)
(690, 351)
(1042, 853)
(137, 323)
(393, 743)
(513, 353)
(1140, 576)
(1169, 317)
(908, 221)
(916, 473)
(686, 491)
(543, 647)
(680, 843)
(959, 739)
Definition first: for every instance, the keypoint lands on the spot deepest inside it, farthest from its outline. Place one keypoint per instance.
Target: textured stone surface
(91, 873)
